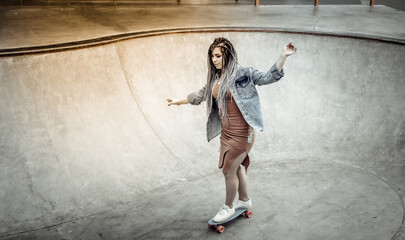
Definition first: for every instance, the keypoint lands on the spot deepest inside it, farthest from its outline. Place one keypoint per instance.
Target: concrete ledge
(127, 36)
(83, 26)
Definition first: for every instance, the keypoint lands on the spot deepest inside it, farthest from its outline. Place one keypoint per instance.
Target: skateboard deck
(218, 225)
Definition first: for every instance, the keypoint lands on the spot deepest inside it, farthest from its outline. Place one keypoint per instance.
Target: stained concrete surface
(90, 149)
(29, 28)
(293, 200)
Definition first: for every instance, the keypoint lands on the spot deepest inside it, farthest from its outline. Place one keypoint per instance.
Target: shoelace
(222, 208)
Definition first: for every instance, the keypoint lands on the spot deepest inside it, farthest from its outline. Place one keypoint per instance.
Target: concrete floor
(89, 149)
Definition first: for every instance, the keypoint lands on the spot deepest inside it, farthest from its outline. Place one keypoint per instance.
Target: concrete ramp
(85, 132)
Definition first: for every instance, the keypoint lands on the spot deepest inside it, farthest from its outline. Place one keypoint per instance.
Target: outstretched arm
(276, 72)
(176, 101)
(194, 98)
(288, 50)
(280, 62)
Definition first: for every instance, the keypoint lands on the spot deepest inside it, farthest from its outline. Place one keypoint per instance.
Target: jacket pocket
(246, 89)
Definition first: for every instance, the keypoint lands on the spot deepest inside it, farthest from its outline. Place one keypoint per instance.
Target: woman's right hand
(173, 102)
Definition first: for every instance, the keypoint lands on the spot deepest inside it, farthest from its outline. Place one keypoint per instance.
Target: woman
(233, 109)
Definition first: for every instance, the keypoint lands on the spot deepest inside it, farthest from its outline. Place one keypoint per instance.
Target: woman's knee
(236, 165)
(230, 174)
(227, 174)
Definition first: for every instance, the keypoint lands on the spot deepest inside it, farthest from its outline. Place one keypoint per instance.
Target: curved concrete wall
(82, 131)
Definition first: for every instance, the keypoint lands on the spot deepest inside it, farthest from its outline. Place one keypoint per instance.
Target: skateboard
(218, 225)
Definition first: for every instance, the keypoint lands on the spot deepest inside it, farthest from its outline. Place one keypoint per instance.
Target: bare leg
(243, 194)
(232, 180)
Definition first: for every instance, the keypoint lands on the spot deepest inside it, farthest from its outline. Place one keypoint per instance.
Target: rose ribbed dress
(234, 135)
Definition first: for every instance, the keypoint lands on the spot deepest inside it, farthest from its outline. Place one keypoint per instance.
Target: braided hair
(226, 75)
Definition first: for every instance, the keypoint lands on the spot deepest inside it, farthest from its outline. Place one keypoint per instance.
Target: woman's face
(216, 57)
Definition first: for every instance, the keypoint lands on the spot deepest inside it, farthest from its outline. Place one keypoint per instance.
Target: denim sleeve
(197, 97)
(263, 78)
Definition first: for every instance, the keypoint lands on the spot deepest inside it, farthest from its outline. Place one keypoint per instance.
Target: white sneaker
(242, 204)
(224, 213)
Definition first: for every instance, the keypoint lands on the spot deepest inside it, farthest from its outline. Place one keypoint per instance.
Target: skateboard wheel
(220, 229)
(248, 214)
(210, 226)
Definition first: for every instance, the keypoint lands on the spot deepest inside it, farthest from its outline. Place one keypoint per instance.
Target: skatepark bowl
(90, 149)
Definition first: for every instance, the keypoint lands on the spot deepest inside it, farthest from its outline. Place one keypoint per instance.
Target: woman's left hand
(289, 49)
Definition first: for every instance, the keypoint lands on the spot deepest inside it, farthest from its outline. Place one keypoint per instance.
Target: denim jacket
(246, 97)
